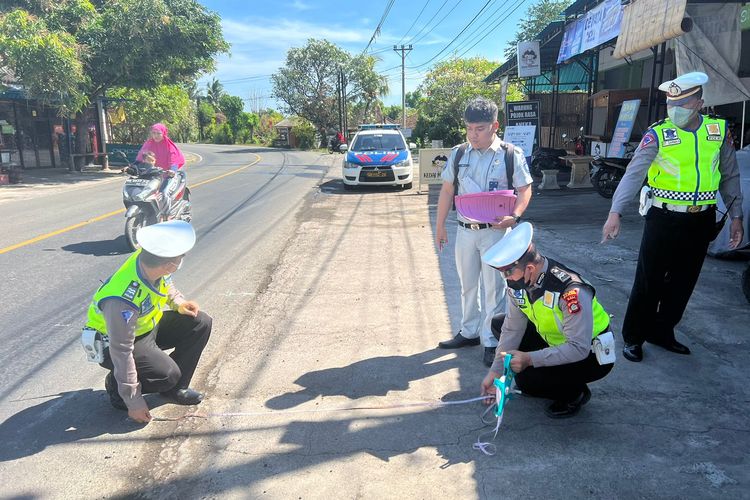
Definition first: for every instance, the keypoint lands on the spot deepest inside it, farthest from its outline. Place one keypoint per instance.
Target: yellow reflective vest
(129, 286)
(543, 306)
(686, 168)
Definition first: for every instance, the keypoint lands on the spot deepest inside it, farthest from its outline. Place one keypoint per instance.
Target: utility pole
(404, 49)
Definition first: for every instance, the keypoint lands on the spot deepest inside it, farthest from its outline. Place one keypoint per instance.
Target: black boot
(110, 384)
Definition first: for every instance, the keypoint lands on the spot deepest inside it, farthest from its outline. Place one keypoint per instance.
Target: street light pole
(404, 49)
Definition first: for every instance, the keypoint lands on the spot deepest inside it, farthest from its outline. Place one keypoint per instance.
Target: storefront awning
(647, 23)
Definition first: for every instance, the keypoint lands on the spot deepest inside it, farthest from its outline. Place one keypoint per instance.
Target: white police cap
(167, 239)
(684, 85)
(511, 248)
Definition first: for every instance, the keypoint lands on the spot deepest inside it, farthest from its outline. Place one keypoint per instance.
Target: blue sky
(262, 32)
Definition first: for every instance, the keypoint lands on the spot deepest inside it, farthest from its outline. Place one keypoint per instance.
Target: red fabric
(167, 153)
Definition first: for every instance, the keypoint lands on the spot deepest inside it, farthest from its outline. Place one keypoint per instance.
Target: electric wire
(456, 37)
(380, 24)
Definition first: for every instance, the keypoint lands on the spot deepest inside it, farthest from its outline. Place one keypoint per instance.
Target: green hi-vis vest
(128, 285)
(543, 308)
(686, 169)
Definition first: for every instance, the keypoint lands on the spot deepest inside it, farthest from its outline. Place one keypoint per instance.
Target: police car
(379, 156)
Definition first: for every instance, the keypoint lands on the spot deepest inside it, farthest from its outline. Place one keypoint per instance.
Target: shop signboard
(521, 136)
(624, 127)
(523, 113)
(745, 17)
(431, 163)
(597, 26)
(529, 62)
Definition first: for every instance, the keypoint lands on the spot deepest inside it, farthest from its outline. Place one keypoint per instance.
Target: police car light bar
(372, 126)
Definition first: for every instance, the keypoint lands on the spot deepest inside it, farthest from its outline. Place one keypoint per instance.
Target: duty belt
(690, 209)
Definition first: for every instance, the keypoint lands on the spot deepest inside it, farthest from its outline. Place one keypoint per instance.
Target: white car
(379, 156)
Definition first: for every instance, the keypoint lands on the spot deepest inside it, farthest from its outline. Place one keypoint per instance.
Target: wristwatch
(517, 217)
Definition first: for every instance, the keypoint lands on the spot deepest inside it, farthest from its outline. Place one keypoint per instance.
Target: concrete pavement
(351, 315)
(348, 311)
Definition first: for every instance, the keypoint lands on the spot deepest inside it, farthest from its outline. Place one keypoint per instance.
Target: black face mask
(517, 284)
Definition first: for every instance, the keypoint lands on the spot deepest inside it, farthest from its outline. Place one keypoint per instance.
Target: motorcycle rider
(169, 158)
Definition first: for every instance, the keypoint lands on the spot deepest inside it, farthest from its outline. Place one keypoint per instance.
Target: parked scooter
(606, 173)
(145, 201)
(551, 158)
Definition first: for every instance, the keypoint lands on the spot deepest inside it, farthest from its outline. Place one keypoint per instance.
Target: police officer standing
(480, 165)
(128, 311)
(555, 329)
(687, 157)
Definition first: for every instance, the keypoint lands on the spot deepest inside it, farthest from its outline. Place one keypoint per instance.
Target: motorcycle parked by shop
(606, 173)
(551, 158)
(145, 201)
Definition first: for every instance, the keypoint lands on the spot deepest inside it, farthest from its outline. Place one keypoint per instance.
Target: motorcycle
(145, 201)
(551, 158)
(335, 146)
(606, 173)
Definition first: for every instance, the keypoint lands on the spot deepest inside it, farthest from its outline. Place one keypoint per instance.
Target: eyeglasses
(508, 270)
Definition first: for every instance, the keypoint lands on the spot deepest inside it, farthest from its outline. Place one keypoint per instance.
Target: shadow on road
(65, 418)
(337, 187)
(369, 377)
(118, 246)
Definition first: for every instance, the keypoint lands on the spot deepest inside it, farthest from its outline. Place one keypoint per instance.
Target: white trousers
(479, 304)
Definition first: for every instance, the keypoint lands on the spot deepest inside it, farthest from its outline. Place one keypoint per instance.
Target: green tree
(537, 17)
(308, 83)
(71, 51)
(205, 116)
(232, 107)
(169, 104)
(305, 133)
(446, 89)
(214, 93)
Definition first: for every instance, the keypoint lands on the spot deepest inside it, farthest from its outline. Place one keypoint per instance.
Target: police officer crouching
(555, 328)
(138, 312)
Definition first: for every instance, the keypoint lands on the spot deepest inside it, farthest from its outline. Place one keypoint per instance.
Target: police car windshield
(378, 142)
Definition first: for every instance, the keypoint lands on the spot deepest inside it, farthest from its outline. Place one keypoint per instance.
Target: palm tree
(214, 91)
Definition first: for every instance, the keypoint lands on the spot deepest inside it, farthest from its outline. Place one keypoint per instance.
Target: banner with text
(521, 136)
(431, 163)
(599, 25)
(624, 127)
(523, 113)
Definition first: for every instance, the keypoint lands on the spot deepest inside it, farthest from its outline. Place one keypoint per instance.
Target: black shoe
(185, 397)
(110, 384)
(672, 346)
(565, 409)
(458, 341)
(633, 352)
(489, 356)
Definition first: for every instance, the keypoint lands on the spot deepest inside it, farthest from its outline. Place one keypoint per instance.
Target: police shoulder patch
(131, 290)
(648, 138)
(571, 299)
(127, 314)
(560, 274)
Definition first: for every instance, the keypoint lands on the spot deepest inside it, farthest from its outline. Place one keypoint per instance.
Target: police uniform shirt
(644, 156)
(121, 318)
(577, 328)
(481, 172)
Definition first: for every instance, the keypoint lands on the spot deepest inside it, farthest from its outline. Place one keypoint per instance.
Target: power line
(439, 22)
(428, 22)
(380, 24)
(499, 23)
(415, 21)
(456, 37)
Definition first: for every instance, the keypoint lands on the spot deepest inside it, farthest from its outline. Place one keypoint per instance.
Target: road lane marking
(42, 237)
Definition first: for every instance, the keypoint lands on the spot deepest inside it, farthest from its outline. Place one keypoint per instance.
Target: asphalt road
(56, 423)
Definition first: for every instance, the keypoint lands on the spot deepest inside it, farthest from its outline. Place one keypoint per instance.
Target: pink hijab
(166, 151)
